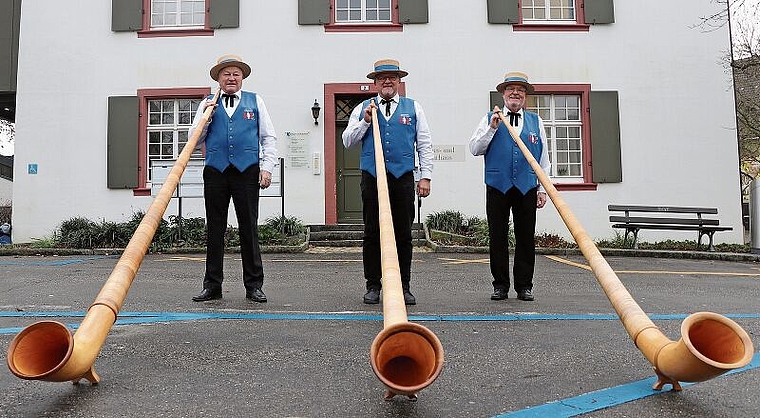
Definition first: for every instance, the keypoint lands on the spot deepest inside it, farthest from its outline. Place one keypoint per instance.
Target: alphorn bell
(46, 350)
(405, 356)
(710, 344)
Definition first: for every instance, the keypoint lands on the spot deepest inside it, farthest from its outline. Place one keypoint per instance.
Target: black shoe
(372, 297)
(207, 294)
(256, 295)
(499, 294)
(525, 295)
(409, 298)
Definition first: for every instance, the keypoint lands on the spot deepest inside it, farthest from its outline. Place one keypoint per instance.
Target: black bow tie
(387, 104)
(513, 118)
(229, 99)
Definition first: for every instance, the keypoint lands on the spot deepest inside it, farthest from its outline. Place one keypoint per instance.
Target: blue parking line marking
(55, 263)
(126, 318)
(605, 398)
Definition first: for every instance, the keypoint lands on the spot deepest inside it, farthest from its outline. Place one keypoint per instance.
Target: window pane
(385, 15)
(371, 14)
(561, 133)
(356, 14)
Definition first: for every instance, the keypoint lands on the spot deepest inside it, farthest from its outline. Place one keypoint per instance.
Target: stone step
(335, 235)
(350, 235)
(348, 227)
(336, 227)
(417, 242)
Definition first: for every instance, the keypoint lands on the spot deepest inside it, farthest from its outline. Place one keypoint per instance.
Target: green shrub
(471, 231)
(177, 232)
(281, 230)
(448, 221)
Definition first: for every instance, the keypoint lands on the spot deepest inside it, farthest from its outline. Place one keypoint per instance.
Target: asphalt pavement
(305, 353)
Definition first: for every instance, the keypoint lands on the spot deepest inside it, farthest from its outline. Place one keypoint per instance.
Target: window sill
(572, 187)
(174, 33)
(549, 27)
(394, 27)
(141, 191)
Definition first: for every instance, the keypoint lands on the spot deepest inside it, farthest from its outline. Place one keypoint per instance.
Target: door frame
(331, 185)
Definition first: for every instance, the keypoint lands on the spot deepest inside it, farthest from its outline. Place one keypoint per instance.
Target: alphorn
(405, 356)
(710, 344)
(46, 350)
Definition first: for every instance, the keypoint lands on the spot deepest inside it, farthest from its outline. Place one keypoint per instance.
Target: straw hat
(514, 77)
(387, 66)
(227, 61)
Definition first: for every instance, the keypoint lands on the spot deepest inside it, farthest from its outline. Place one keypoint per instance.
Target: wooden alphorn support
(710, 344)
(405, 356)
(46, 350)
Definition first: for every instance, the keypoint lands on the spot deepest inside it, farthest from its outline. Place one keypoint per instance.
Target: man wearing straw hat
(240, 156)
(511, 184)
(403, 127)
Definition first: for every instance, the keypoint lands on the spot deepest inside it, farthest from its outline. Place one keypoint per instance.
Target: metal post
(754, 215)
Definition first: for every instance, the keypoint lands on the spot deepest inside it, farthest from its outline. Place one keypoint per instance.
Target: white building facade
(638, 107)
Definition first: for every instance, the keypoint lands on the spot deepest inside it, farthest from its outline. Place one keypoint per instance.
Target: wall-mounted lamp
(315, 111)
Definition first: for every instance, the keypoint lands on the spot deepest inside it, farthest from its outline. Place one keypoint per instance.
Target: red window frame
(394, 26)
(147, 32)
(143, 96)
(579, 26)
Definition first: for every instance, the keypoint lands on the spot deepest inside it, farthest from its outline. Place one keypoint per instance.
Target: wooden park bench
(675, 218)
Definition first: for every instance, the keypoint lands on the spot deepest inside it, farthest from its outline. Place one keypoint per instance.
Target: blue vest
(234, 140)
(506, 166)
(398, 135)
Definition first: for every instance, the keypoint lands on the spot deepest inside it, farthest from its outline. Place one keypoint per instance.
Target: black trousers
(401, 194)
(523, 207)
(243, 189)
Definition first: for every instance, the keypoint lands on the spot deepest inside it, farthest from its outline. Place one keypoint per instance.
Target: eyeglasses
(518, 89)
(386, 77)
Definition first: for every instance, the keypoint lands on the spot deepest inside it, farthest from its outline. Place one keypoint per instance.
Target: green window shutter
(503, 11)
(126, 15)
(599, 11)
(413, 11)
(10, 16)
(496, 100)
(605, 137)
(224, 14)
(313, 12)
(122, 155)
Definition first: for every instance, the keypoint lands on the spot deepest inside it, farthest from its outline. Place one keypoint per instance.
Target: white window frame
(364, 8)
(554, 123)
(178, 130)
(180, 11)
(547, 7)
